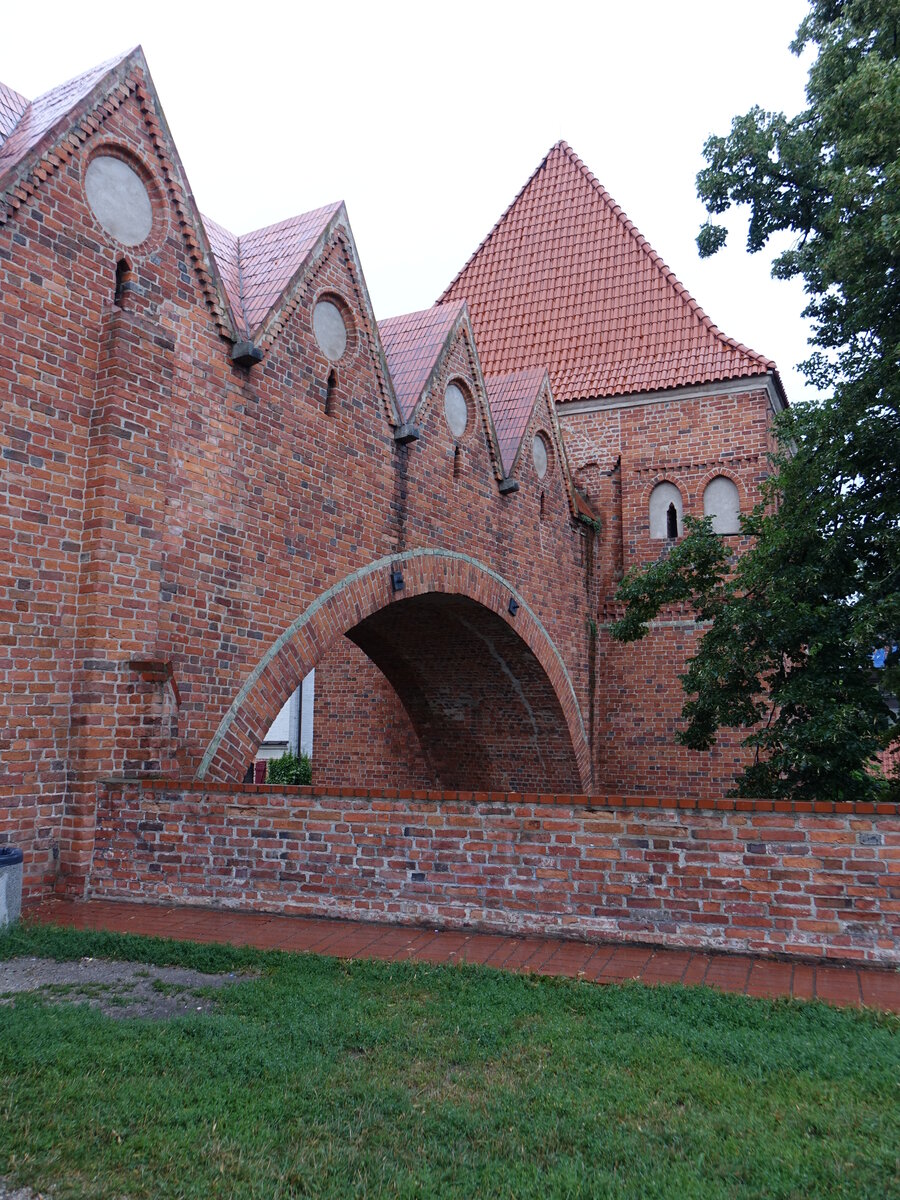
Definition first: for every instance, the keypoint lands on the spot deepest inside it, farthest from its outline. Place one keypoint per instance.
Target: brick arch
(687, 496)
(729, 473)
(346, 605)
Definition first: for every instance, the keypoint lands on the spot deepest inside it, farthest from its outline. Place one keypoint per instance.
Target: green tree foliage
(787, 656)
(290, 768)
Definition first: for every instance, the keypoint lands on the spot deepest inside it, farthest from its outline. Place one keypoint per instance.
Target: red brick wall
(724, 876)
(165, 505)
(361, 730)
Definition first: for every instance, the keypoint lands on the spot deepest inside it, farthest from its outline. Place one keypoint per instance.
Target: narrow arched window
(123, 275)
(665, 511)
(330, 390)
(671, 521)
(722, 502)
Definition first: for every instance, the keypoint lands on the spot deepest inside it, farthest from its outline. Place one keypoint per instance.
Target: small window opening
(457, 463)
(671, 521)
(123, 277)
(543, 505)
(330, 390)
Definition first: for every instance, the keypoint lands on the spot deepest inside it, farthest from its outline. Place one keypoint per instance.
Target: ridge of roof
(512, 398)
(12, 105)
(42, 115)
(518, 293)
(412, 345)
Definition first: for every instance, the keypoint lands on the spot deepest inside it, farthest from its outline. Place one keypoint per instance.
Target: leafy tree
(794, 621)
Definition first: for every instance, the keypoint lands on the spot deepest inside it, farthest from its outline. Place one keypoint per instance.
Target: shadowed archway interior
(478, 702)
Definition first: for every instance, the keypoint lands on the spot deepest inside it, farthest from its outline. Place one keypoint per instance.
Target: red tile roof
(512, 399)
(43, 114)
(257, 267)
(412, 344)
(12, 105)
(224, 246)
(565, 280)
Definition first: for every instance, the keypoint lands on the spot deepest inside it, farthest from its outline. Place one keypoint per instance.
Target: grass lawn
(341, 1079)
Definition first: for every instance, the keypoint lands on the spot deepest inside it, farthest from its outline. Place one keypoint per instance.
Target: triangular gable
(53, 128)
(412, 345)
(264, 273)
(257, 268)
(271, 257)
(565, 280)
(512, 398)
(522, 401)
(416, 348)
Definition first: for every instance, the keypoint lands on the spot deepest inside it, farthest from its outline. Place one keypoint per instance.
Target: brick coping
(695, 804)
(599, 961)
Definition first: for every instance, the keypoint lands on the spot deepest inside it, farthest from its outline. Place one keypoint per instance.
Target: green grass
(328, 1078)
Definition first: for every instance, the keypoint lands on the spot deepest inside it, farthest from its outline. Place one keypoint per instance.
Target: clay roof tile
(43, 114)
(565, 279)
(412, 345)
(257, 268)
(12, 106)
(512, 398)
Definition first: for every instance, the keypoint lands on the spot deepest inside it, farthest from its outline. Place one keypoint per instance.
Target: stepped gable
(412, 345)
(565, 280)
(41, 116)
(12, 106)
(258, 267)
(512, 398)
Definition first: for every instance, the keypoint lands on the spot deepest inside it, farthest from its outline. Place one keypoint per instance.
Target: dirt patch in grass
(8, 1192)
(117, 989)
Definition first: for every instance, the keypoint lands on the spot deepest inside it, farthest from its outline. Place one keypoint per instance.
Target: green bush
(290, 769)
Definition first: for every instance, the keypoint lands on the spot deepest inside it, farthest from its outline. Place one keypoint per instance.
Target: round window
(119, 199)
(330, 329)
(456, 409)
(540, 455)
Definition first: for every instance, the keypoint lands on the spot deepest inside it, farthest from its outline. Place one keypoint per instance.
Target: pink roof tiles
(412, 344)
(257, 267)
(224, 246)
(43, 114)
(565, 280)
(512, 399)
(12, 105)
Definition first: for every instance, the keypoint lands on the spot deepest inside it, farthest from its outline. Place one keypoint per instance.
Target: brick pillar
(116, 710)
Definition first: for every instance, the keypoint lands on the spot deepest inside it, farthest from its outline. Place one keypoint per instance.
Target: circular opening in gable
(540, 454)
(330, 329)
(456, 409)
(118, 199)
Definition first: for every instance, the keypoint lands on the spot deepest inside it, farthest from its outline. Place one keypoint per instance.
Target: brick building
(219, 473)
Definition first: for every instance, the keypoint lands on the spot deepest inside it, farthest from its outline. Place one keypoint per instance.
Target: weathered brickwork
(185, 537)
(202, 498)
(698, 873)
(353, 695)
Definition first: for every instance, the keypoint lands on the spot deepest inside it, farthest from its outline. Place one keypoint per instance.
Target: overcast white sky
(428, 118)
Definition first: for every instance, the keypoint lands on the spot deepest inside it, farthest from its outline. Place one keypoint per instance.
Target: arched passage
(486, 689)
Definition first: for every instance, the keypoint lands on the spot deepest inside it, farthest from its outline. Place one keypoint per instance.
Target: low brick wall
(819, 880)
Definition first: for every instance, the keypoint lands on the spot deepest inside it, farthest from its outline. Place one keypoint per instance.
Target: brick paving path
(600, 963)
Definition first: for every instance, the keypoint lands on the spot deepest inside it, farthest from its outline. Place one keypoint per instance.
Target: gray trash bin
(10, 885)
